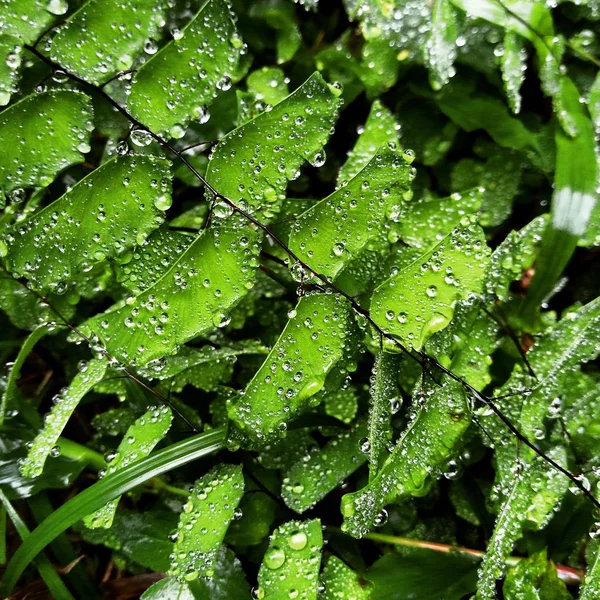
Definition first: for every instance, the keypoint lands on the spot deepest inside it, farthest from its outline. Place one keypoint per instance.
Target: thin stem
(419, 356)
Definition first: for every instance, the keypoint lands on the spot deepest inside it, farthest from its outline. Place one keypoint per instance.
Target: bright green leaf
(341, 581)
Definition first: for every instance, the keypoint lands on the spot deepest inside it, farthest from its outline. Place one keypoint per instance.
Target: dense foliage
(300, 300)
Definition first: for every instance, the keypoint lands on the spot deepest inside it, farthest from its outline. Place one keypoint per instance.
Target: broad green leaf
(472, 111)
(54, 423)
(112, 209)
(418, 455)
(141, 537)
(279, 15)
(252, 165)
(440, 47)
(499, 177)
(10, 393)
(104, 36)
(228, 583)
(40, 136)
(341, 581)
(26, 19)
(534, 495)
(420, 299)
(290, 567)
(103, 491)
(139, 441)
(10, 61)
(515, 254)
(591, 586)
(312, 342)
(379, 130)
(147, 263)
(573, 201)
(385, 401)
(514, 64)
(56, 587)
(334, 231)
(536, 578)
(192, 297)
(436, 576)
(180, 80)
(424, 222)
(204, 521)
(320, 472)
(253, 527)
(268, 85)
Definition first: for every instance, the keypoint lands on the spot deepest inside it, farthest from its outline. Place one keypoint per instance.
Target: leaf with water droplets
(424, 223)
(54, 422)
(334, 231)
(139, 441)
(341, 582)
(420, 299)
(418, 455)
(26, 19)
(40, 136)
(385, 401)
(379, 130)
(112, 209)
(311, 344)
(440, 47)
(192, 297)
(10, 61)
(514, 59)
(204, 521)
(322, 470)
(252, 165)
(591, 586)
(174, 86)
(104, 36)
(290, 567)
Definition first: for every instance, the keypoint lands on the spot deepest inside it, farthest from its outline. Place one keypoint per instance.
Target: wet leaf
(204, 521)
(341, 581)
(290, 567)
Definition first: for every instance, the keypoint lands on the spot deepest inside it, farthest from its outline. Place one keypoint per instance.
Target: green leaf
(535, 578)
(436, 576)
(10, 61)
(312, 342)
(379, 130)
(268, 85)
(290, 567)
(419, 300)
(204, 521)
(139, 441)
(252, 165)
(424, 222)
(385, 401)
(103, 491)
(573, 201)
(10, 393)
(320, 472)
(440, 47)
(514, 64)
(115, 32)
(228, 583)
(418, 455)
(178, 82)
(107, 212)
(55, 421)
(279, 15)
(334, 231)
(26, 19)
(591, 586)
(191, 297)
(56, 587)
(341, 581)
(40, 136)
